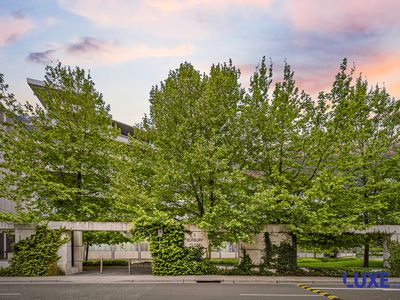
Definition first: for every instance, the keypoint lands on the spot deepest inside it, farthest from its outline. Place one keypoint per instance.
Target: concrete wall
(96, 255)
(256, 250)
(72, 252)
(195, 237)
(90, 226)
(7, 206)
(24, 231)
(393, 237)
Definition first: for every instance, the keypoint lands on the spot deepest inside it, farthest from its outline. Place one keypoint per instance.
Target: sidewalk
(101, 278)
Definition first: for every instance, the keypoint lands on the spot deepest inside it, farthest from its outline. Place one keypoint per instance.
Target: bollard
(101, 265)
(129, 266)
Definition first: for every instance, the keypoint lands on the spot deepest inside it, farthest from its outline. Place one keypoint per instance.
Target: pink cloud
(383, 69)
(175, 5)
(13, 28)
(341, 15)
(88, 51)
(172, 18)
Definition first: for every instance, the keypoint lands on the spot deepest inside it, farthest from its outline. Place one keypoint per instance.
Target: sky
(130, 45)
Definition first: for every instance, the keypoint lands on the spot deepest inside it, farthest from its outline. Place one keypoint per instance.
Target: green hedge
(224, 261)
(106, 262)
(36, 255)
(394, 258)
(281, 258)
(170, 256)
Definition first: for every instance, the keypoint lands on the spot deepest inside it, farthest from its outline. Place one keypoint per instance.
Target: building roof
(38, 84)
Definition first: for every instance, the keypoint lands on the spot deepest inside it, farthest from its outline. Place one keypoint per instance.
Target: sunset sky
(131, 45)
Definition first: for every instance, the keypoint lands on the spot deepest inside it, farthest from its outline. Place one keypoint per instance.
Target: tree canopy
(210, 153)
(230, 159)
(59, 158)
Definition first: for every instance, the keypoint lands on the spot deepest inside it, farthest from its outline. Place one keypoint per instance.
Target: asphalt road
(191, 291)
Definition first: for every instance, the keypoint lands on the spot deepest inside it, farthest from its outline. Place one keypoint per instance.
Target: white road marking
(10, 294)
(356, 289)
(281, 295)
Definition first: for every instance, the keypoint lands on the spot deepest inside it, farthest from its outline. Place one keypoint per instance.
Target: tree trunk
(335, 253)
(366, 254)
(87, 252)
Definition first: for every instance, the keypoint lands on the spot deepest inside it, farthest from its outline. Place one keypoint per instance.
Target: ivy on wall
(36, 255)
(394, 258)
(282, 258)
(167, 248)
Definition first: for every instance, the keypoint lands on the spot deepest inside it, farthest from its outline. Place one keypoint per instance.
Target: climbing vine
(394, 258)
(36, 255)
(282, 258)
(170, 256)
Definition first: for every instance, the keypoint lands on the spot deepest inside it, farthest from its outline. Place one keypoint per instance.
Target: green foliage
(394, 258)
(106, 262)
(169, 254)
(224, 261)
(212, 154)
(194, 128)
(319, 242)
(285, 144)
(104, 237)
(59, 158)
(36, 255)
(245, 266)
(358, 189)
(339, 262)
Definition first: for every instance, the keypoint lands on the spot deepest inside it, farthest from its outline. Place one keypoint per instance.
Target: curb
(161, 279)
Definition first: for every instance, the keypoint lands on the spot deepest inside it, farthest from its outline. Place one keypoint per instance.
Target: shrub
(106, 262)
(394, 258)
(36, 255)
(167, 248)
(282, 258)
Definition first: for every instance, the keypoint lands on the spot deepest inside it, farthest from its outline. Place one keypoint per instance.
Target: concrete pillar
(113, 249)
(78, 251)
(254, 250)
(194, 236)
(395, 237)
(278, 234)
(385, 253)
(71, 253)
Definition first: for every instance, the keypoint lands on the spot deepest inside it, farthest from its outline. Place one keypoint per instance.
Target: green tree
(365, 126)
(133, 183)
(194, 131)
(286, 145)
(58, 160)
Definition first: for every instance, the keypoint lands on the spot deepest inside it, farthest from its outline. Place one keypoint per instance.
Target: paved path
(104, 278)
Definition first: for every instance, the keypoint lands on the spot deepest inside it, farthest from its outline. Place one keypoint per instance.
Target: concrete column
(113, 248)
(385, 253)
(256, 250)
(395, 237)
(71, 253)
(78, 251)
(196, 237)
